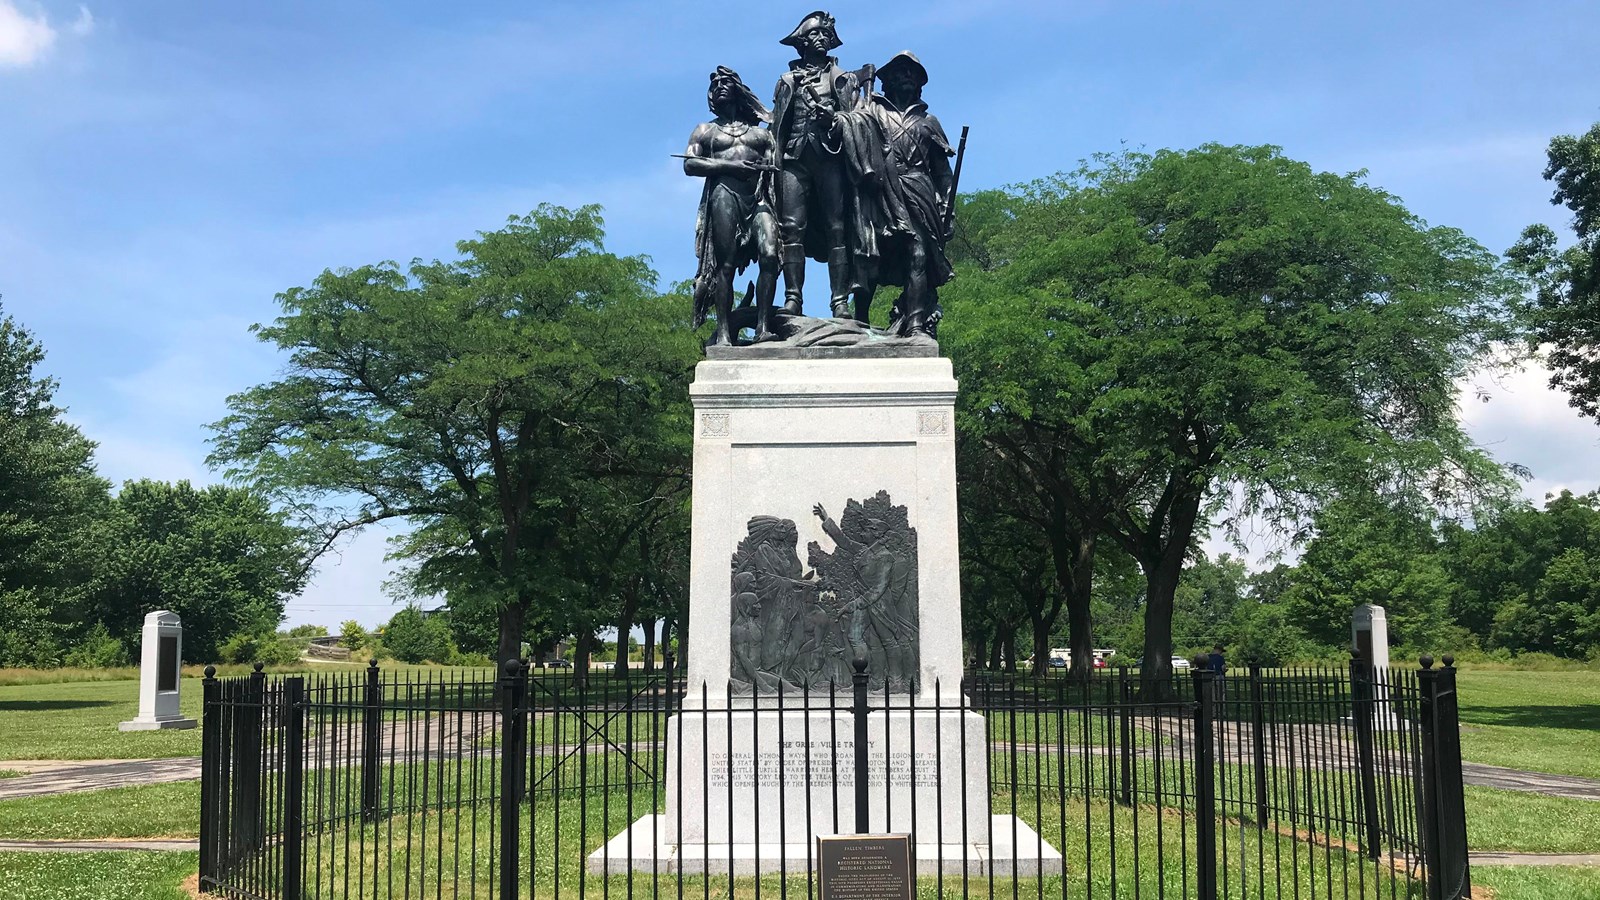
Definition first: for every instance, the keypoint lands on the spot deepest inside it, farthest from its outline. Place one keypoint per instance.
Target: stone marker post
(160, 661)
(1369, 635)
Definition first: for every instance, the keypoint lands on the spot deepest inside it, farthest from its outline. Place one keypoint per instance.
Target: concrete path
(1499, 858)
(99, 846)
(165, 845)
(1532, 782)
(71, 776)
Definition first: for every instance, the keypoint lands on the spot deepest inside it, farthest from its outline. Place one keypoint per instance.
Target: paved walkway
(1532, 782)
(115, 845)
(99, 846)
(71, 776)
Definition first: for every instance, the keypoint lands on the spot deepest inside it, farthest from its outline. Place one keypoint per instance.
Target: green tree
(53, 509)
(414, 637)
(1181, 322)
(218, 556)
(1566, 314)
(485, 401)
(1363, 554)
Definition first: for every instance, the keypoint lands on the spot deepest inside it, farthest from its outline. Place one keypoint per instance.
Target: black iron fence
(1264, 783)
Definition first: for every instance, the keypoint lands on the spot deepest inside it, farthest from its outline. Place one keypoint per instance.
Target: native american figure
(736, 224)
(770, 595)
(921, 155)
(793, 629)
(837, 191)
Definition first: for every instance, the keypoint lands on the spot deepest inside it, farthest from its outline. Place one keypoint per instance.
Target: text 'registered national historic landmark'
(824, 502)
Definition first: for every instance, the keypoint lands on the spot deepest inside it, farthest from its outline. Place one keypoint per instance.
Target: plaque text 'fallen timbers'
(865, 866)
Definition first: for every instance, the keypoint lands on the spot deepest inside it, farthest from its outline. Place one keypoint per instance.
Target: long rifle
(955, 181)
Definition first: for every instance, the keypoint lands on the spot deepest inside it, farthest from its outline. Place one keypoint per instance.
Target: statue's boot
(839, 282)
(794, 277)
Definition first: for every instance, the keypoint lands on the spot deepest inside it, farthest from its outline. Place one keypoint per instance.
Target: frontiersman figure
(921, 155)
(736, 225)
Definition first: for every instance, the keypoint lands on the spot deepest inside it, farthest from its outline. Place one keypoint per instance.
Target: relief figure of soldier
(736, 225)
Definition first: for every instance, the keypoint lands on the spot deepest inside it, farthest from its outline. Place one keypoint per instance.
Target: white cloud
(84, 23)
(24, 39)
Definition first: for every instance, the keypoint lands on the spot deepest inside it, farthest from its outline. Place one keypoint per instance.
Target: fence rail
(1263, 783)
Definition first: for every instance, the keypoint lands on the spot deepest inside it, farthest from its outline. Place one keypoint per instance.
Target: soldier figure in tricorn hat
(812, 180)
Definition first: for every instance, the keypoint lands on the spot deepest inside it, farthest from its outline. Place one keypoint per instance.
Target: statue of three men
(861, 183)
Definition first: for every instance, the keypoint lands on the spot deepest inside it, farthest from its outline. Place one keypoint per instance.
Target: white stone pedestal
(160, 671)
(778, 433)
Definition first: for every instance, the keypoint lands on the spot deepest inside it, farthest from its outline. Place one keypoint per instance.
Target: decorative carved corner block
(714, 425)
(933, 421)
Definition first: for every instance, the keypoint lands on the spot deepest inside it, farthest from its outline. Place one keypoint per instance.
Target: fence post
(1205, 782)
(294, 768)
(1444, 822)
(511, 760)
(249, 721)
(1258, 729)
(371, 743)
(860, 716)
(1361, 681)
(1125, 704)
(210, 782)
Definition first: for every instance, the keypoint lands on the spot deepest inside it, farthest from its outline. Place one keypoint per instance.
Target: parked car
(1179, 664)
(1057, 662)
(559, 664)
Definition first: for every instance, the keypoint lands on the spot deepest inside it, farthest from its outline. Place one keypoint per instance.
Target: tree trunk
(995, 649)
(1162, 569)
(649, 647)
(1041, 646)
(511, 621)
(1011, 650)
(1075, 578)
(979, 643)
(580, 657)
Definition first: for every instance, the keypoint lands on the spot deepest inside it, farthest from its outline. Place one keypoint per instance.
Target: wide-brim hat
(906, 60)
(812, 20)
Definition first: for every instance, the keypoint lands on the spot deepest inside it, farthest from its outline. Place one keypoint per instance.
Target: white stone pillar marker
(160, 664)
(1369, 634)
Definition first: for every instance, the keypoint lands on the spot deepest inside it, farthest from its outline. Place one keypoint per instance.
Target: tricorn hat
(817, 19)
(905, 59)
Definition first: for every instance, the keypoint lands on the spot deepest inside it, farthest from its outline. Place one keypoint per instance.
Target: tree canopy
(1152, 329)
(523, 408)
(1566, 312)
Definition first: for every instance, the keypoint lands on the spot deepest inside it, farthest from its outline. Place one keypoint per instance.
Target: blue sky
(169, 166)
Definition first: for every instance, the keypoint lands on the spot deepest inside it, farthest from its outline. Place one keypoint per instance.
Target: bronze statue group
(835, 171)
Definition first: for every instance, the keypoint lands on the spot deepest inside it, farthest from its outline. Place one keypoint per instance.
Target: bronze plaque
(865, 867)
(167, 663)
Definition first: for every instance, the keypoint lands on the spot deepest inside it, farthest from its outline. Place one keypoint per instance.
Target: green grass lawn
(1538, 882)
(95, 876)
(1539, 721)
(142, 811)
(78, 720)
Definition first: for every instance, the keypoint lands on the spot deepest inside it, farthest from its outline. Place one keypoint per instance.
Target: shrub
(258, 647)
(97, 650)
(352, 635)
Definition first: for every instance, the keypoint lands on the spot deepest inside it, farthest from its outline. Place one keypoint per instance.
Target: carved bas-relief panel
(796, 626)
